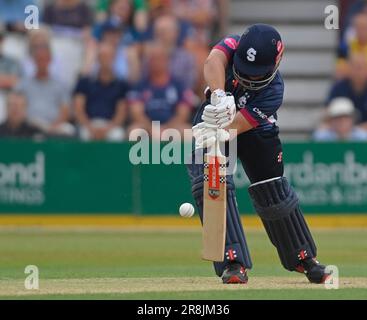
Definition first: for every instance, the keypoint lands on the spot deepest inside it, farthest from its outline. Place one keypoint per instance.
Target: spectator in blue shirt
(340, 123)
(160, 97)
(355, 86)
(99, 101)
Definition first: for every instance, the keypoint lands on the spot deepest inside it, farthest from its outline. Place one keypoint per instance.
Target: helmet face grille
(255, 85)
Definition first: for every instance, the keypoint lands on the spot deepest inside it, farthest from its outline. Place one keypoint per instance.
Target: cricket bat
(215, 204)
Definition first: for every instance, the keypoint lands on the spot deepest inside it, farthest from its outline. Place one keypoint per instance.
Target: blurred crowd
(346, 112)
(95, 70)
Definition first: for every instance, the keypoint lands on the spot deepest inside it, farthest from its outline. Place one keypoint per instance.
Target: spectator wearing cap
(16, 125)
(182, 62)
(354, 86)
(160, 97)
(48, 99)
(9, 75)
(99, 101)
(340, 123)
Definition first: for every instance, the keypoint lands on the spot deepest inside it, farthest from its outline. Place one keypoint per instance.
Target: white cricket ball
(187, 210)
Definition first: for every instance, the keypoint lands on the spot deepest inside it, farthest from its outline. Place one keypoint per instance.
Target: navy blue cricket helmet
(258, 55)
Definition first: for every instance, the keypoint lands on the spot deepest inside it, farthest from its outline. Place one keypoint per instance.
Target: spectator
(139, 8)
(162, 8)
(9, 68)
(127, 63)
(12, 14)
(120, 15)
(355, 86)
(69, 17)
(199, 14)
(182, 64)
(356, 44)
(340, 123)
(9, 75)
(222, 18)
(118, 21)
(349, 9)
(100, 107)
(160, 97)
(159, 7)
(41, 38)
(16, 125)
(71, 22)
(48, 100)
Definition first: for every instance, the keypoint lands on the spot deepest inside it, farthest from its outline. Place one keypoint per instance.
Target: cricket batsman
(245, 90)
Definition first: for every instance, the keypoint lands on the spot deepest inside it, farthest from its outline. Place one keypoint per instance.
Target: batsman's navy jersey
(258, 107)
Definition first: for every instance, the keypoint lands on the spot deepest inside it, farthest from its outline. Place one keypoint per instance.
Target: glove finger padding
(197, 129)
(198, 126)
(205, 142)
(218, 115)
(208, 136)
(217, 122)
(223, 135)
(216, 109)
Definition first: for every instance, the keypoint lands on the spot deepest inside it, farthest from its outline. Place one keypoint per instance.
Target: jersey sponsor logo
(251, 54)
(243, 100)
(260, 113)
(232, 43)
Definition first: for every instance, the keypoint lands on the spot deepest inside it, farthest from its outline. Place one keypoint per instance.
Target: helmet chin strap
(255, 84)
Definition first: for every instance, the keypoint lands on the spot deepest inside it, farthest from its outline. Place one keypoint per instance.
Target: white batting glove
(217, 97)
(206, 137)
(221, 112)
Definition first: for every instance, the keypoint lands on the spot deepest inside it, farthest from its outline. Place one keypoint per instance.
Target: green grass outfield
(164, 263)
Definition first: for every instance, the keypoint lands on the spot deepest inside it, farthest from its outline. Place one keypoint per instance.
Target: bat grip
(216, 147)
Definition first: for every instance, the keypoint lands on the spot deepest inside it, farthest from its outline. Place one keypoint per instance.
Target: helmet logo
(251, 54)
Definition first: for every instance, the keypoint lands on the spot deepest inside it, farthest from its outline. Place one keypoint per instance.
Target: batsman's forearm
(214, 73)
(239, 125)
